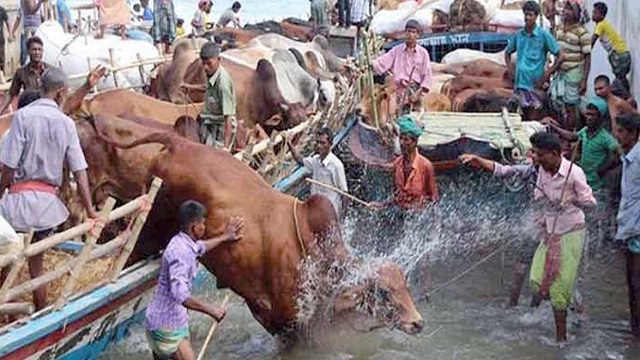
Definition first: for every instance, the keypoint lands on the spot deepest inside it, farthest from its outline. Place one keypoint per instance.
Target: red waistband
(32, 185)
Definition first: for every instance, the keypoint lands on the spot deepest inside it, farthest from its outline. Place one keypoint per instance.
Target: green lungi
(561, 288)
(165, 343)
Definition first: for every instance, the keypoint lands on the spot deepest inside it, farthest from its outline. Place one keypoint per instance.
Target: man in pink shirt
(410, 66)
(562, 187)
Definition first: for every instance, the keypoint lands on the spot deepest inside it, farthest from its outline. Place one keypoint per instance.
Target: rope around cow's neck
(303, 250)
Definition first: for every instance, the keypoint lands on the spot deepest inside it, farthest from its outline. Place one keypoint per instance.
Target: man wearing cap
(414, 175)
(410, 65)
(219, 109)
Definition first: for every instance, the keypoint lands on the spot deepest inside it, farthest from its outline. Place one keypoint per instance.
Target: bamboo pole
(343, 193)
(367, 60)
(264, 144)
(17, 308)
(112, 65)
(70, 285)
(72, 233)
(60, 271)
(17, 266)
(139, 221)
(212, 330)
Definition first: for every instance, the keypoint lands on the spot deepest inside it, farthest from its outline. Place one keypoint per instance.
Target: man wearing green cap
(414, 175)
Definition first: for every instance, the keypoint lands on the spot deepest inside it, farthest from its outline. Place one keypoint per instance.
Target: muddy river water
(465, 320)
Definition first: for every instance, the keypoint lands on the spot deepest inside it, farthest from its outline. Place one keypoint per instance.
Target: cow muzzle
(413, 327)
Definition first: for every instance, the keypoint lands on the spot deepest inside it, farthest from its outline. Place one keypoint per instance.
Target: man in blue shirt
(532, 43)
(627, 131)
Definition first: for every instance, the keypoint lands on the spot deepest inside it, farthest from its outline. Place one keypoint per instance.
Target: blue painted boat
(439, 44)
(90, 322)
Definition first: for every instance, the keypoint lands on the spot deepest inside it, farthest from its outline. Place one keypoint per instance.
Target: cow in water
(281, 238)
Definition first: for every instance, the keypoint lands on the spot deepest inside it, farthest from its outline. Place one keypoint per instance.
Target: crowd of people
(598, 177)
(570, 189)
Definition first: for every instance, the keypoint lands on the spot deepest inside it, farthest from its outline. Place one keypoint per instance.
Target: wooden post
(135, 232)
(94, 235)
(95, 88)
(113, 67)
(17, 266)
(367, 60)
(17, 308)
(141, 67)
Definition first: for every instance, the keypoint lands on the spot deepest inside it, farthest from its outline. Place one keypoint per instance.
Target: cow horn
(284, 107)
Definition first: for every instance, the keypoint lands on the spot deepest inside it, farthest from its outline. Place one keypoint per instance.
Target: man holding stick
(556, 261)
(166, 318)
(326, 168)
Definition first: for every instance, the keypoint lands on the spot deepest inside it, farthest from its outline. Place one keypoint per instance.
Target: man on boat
(27, 76)
(326, 168)
(31, 19)
(200, 22)
(320, 17)
(41, 139)
(230, 16)
(628, 131)
(570, 82)
(219, 108)
(166, 319)
(411, 68)
(617, 106)
(532, 43)
(564, 185)
(619, 54)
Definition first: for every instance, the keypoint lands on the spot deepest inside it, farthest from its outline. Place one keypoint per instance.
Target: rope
(462, 274)
(297, 225)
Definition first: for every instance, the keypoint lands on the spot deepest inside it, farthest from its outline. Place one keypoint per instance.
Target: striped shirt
(575, 41)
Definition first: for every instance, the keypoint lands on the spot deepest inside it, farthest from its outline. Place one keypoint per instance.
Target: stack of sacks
(510, 21)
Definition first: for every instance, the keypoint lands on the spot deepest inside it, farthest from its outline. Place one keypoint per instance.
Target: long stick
(212, 330)
(343, 193)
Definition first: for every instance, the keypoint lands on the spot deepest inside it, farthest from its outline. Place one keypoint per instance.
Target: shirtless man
(617, 106)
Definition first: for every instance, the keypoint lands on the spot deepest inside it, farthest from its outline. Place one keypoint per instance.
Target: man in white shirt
(200, 23)
(326, 168)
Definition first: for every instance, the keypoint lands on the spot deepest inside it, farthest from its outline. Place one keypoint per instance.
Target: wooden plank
(17, 308)
(135, 232)
(17, 265)
(82, 258)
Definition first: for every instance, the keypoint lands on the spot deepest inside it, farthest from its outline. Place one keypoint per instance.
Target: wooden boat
(82, 325)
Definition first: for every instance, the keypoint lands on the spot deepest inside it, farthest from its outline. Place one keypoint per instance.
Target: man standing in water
(556, 261)
(326, 168)
(411, 67)
(219, 108)
(166, 318)
(532, 43)
(627, 131)
(414, 175)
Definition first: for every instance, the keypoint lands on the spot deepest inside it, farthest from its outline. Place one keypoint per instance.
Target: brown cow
(478, 100)
(296, 29)
(280, 232)
(436, 102)
(258, 99)
(458, 84)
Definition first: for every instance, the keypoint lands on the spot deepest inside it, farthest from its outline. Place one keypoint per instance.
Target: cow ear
(275, 120)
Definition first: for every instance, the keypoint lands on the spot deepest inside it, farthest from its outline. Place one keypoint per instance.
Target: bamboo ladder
(124, 242)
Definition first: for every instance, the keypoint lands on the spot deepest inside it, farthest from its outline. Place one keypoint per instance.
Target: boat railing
(122, 246)
(270, 156)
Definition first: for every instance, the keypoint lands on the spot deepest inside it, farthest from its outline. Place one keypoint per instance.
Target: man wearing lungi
(556, 262)
(532, 43)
